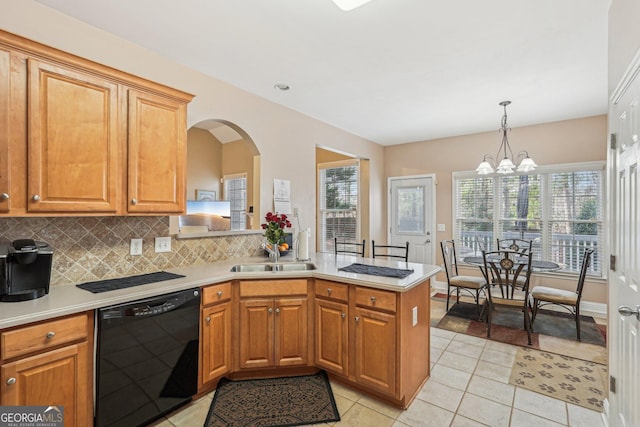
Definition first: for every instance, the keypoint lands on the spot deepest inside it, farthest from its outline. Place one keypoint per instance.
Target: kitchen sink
(285, 266)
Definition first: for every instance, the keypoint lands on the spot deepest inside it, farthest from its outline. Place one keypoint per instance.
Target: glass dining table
(536, 264)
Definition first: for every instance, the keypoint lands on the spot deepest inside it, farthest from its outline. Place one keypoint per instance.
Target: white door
(624, 295)
(411, 215)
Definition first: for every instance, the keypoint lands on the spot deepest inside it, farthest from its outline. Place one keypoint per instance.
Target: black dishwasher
(147, 358)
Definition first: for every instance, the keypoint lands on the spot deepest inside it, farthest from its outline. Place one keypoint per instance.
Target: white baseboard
(587, 308)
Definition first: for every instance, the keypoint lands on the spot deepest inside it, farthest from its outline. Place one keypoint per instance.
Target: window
(559, 208)
(338, 203)
(235, 190)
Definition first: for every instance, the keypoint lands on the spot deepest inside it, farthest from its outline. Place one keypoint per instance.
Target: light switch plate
(415, 316)
(441, 227)
(163, 244)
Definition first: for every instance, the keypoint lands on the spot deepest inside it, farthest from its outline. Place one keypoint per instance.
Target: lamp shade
(527, 165)
(506, 166)
(484, 168)
(347, 5)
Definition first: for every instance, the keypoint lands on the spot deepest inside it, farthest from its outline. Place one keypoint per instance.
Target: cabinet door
(291, 319)
(216, 341)
(157, 140)
(375, 350)
(331, 336)
(5, 83)
(73, 141)
(56, 378)
(256, 333)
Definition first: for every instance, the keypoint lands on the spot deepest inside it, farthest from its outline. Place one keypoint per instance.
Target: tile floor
(469, 386)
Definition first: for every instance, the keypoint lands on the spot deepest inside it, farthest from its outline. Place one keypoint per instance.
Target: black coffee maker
(25, 270)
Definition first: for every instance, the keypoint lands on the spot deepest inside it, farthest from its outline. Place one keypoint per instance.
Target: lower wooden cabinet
(54, 368)
(332, 333)
(374, 351)
(273, 332)
(215, 332)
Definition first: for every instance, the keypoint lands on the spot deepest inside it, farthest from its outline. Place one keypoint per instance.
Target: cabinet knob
(357, 319)
(277, 310)
(208, 319)
(36, 198)
(343, 315)
(270, 310)
(11, 381)
(219, 293)
(329, 291)
(134, 201)
(51, 335)
(373, 300)
(4, 196)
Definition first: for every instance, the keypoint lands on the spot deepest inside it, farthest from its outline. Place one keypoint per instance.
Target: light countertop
(69, 299)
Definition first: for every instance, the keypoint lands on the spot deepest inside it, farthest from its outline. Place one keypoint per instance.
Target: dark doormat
(508, 325)
(273, 402)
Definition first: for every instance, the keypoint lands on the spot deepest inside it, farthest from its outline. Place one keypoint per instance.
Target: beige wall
(237, 157)
(204, 163)
(285, 139)
(570, 141)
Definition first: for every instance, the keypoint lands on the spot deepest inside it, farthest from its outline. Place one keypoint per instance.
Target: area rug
(508, 325)
(273, 402)
(562, 377)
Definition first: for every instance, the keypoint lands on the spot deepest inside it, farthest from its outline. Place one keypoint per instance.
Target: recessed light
(281, 86)
(347, 5)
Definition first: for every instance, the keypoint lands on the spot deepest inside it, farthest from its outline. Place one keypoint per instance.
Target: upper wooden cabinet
(81, 138)
(157, 153)
(73, 141)
(5, 84)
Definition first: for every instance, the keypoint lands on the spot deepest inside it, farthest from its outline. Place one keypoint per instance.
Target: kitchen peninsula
(369, 332)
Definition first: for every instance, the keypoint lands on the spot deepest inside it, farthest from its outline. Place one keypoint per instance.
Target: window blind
(338, 207)
(235, 190)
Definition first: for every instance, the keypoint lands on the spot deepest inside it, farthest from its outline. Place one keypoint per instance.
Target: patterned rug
(273, 402)
(561, 377)
(507, 325)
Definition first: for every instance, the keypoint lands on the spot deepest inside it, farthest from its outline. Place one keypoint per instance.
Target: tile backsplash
(94, 248)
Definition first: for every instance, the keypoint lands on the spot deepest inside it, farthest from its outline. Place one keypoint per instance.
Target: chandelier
(506, 165)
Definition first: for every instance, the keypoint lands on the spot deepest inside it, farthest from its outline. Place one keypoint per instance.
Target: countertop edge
(66, 300)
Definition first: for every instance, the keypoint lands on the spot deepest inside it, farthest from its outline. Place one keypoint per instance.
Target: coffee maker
(25, 270)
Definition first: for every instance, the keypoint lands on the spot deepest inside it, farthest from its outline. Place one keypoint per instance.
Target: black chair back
(390, 251)
(349, 247)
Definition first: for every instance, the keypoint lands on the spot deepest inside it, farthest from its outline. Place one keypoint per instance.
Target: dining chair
(390, 251)
(569, 300)
(511, 271)
(345, 247)
(473, 285)
(517, 245)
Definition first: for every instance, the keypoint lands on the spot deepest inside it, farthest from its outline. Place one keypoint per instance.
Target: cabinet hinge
(612, 262)
(612, 384)
(613, 141)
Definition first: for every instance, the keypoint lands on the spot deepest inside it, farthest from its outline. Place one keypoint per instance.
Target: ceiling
(391, 71)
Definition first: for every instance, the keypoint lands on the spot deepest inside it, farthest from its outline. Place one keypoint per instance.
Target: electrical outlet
(136, 247)
(163, 244)
(295, 212)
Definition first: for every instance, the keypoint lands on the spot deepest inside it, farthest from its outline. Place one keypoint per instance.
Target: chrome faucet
(274, 254)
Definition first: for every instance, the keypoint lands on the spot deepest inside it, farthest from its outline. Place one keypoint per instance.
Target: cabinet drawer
(376, 298)
(40, 337)
(216, 293)
(333, 290)
(260, 288)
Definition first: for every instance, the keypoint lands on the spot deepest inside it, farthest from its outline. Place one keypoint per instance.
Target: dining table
(536, 264)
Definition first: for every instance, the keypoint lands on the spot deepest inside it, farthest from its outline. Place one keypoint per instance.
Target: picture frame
(205, 195)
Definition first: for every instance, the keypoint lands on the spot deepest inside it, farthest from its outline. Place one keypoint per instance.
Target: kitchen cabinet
(73, 140)
(5, 102)
(84, 139)
(50, 364)
(273, 324)
(215, 347)
(157, 153)
(331, 326)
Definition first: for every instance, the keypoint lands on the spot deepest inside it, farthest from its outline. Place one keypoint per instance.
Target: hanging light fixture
(506, 165)
(348, 5)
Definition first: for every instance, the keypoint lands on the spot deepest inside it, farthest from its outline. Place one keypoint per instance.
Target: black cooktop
(127, 282)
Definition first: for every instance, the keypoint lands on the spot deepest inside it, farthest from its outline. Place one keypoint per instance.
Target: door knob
(277, 310)
(36, 198)
(270, 310)
(628, 311)
(428, 241)
(134, 201)
(208, 319)
(11, 381)
(4, 196)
